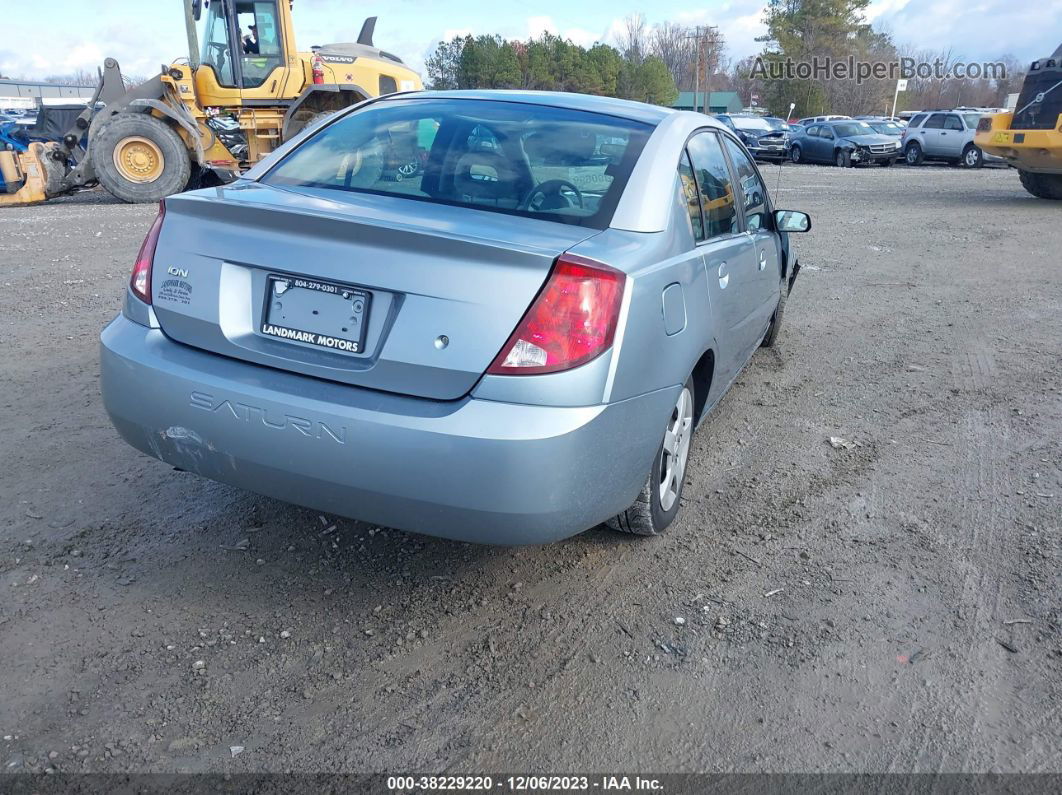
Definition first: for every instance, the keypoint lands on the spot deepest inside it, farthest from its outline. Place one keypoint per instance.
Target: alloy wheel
(676, 450)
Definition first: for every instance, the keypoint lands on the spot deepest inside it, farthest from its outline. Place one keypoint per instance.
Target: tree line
(802, 30)
(549, 63)
(652, 63)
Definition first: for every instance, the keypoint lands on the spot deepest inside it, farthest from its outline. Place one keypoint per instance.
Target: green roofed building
(720, 102)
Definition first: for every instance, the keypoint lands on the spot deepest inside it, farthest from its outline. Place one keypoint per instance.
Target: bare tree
(79, 77)
(634, 39)
(674, 44)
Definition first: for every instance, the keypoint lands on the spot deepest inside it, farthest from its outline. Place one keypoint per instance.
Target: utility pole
(697, 36)
(711, 41)
(707, 38)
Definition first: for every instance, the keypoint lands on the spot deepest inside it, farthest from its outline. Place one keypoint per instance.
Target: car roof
(608, 106)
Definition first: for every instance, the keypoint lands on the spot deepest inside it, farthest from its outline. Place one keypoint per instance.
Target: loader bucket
(31, 176)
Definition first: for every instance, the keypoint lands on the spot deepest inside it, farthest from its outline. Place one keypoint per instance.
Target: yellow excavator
(243, 90)
(1030, 138)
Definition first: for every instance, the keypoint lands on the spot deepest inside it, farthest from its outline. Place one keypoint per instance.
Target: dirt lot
(892, 605)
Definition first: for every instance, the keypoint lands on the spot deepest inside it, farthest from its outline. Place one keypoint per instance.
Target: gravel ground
(888, 605)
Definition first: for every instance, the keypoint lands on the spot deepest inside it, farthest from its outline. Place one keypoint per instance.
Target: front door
(261, 57)
(930, 134)
(760, 228)
(826, 142)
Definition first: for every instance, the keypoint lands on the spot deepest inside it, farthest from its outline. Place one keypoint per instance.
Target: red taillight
(318, 70)
(140, 281)
(572, 321)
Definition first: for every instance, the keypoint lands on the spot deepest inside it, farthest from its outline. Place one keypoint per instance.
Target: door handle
(763, 260)
(724, 277)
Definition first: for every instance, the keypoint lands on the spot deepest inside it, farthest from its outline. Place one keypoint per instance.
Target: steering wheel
(221, 50)
(551, 187)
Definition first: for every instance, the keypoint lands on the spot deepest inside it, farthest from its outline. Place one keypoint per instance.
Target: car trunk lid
(273, 276)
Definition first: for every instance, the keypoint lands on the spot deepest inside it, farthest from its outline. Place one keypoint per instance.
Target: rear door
(728, 252)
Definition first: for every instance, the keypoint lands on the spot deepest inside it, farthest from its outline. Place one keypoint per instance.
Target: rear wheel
(972, 157)
(913, 154)
(139, 158)
(1043, 186)
(661, 496)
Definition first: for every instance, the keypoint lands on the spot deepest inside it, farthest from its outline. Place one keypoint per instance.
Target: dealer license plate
(323, 314)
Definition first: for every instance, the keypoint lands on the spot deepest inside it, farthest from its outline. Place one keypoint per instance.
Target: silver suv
(945, 135)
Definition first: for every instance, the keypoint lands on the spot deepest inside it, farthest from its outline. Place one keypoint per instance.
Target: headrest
(484, 175)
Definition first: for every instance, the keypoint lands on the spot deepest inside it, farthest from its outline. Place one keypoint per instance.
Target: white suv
(945, 135)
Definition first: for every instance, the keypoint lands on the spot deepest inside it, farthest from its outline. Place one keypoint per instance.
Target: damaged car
(511, 344)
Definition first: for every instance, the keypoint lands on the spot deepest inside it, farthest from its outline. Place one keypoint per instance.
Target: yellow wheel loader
(204, 120)
(1030, 138)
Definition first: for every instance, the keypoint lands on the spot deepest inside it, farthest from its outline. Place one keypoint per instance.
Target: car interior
(525, 165)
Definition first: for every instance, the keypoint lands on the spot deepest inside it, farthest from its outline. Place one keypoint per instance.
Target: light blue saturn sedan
(492, 316)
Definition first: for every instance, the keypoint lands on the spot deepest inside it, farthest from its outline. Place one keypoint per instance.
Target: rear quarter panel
(647, 358)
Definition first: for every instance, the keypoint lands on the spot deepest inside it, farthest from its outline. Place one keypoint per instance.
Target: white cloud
(536, 26)
(974, 29)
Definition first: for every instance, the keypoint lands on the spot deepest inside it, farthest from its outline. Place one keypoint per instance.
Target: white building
(30, 94)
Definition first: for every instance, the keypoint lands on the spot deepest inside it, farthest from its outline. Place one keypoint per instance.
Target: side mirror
(792, 221)
(197, 9)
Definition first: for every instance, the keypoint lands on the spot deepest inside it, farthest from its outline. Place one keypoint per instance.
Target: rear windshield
(562, 165)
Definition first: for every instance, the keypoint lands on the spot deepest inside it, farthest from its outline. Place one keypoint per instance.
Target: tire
(842, 159)
(648, 516)
(887, 162)
(771, 337)
(913, 154)
(972, 157)
(137, 142)
(795, 154)
(1043, 186)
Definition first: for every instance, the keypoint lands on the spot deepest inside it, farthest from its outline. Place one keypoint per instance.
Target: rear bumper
(474, 470)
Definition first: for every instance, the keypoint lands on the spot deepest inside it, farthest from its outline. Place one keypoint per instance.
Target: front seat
(485, 177)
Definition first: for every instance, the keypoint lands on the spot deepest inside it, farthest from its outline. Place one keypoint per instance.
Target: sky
(142, 34)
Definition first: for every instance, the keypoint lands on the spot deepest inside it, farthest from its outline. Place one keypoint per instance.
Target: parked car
(510, 346)
(843, 143)
(820, 119)
(886, 127)
(761, 137)
(945, 135)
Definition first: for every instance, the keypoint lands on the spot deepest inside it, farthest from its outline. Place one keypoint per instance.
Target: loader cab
(246, 48)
